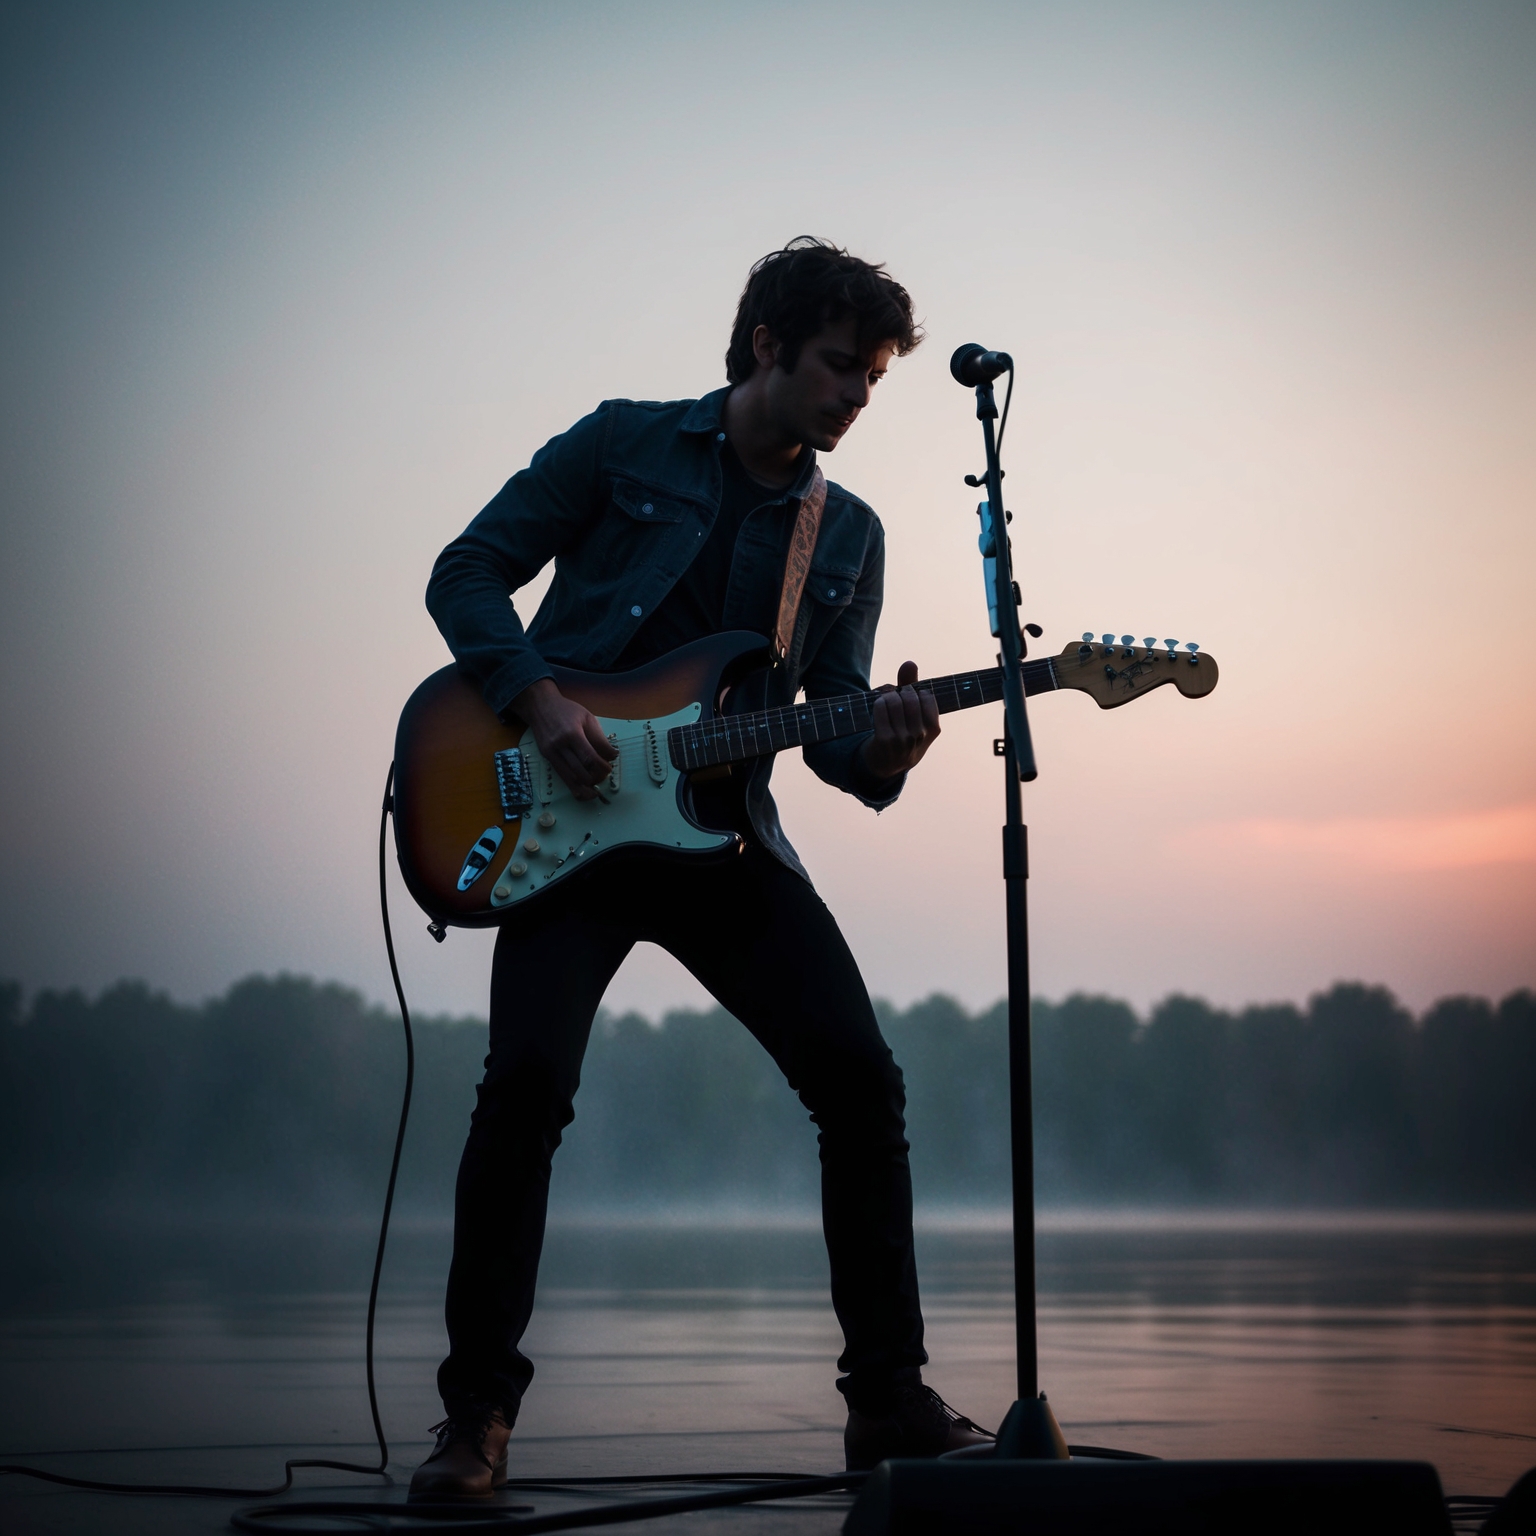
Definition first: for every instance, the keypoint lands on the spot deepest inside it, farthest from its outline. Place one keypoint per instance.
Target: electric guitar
(484, 825)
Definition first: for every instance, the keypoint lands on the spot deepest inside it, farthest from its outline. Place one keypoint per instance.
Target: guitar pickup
(655, 758)
(513, 783)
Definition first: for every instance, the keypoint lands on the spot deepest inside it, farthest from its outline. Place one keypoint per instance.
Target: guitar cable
(425, 1518)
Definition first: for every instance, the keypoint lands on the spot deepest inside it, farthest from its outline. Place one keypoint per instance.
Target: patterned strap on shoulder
(797, 567)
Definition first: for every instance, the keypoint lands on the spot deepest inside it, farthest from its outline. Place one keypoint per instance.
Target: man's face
(830, 385)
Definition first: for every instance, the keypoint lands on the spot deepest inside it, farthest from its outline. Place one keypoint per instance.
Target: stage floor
(688, 1345)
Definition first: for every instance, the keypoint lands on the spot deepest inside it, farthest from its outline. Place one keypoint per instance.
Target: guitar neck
(736, 738)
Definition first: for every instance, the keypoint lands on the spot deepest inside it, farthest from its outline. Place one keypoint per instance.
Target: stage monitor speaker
(985, 1497)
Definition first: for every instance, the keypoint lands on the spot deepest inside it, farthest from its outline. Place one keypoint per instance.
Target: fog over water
(279, 1098)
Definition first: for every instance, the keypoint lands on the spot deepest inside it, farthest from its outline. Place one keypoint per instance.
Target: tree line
(282, 1095)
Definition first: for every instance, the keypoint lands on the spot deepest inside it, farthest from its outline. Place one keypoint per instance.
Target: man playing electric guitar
(667, 523)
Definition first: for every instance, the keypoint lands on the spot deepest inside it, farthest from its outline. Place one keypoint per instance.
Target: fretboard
(734, 738)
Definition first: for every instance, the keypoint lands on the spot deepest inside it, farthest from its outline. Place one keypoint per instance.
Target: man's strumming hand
(906, 722)
(568, 735)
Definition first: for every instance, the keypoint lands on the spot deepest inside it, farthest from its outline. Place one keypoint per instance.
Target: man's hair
(813, 283)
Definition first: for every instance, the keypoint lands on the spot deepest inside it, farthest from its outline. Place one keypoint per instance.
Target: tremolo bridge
(514, 783)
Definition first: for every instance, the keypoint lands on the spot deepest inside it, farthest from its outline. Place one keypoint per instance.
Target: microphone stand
(1030, 1430)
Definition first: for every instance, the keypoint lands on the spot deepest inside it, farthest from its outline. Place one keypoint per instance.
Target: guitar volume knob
(517, 869)
(546, 819)
(530, 845)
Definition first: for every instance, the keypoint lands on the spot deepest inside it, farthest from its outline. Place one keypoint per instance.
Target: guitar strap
(802, 545)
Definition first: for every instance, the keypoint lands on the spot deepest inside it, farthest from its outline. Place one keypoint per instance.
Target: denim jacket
(621, 503)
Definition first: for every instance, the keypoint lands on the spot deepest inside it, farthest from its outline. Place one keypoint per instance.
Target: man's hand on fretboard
(906, 724)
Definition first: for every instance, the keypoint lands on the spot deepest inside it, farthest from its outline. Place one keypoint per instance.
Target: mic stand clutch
(1030, 1430)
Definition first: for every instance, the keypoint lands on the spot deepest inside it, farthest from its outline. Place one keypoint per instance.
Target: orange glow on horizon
(1379, 843)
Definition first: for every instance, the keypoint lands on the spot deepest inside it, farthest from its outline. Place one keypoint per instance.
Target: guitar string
(765, 721)
(701, 736)
(953, 693)
(711, 740)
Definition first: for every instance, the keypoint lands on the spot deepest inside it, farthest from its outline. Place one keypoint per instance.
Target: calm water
(681, 1344)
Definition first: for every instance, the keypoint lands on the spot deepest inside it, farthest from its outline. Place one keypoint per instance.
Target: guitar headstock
(1114, 670)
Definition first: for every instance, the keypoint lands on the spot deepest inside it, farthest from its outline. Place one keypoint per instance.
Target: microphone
(972, 364)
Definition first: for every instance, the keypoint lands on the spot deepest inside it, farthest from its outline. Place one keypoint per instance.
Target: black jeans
(761, 940)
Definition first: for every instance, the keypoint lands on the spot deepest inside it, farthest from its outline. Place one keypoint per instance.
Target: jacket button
(720, 437)
(831, 591)
(647, 509)
(636, 610)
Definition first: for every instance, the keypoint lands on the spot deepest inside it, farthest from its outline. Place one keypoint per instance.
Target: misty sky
(290, 291)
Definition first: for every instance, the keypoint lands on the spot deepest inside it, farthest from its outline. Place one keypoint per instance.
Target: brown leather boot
(920, 1423)
(470, 1460)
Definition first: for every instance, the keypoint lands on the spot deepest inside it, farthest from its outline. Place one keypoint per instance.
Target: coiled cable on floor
(424, 1518)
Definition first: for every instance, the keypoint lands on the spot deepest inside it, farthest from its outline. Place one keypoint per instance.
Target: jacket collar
(801, 488)
(707, 414)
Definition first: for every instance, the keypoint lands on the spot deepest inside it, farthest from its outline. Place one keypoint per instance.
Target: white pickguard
(634, 808)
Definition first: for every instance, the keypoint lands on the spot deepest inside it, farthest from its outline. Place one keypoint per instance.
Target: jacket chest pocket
(643, 504)
(831, 585)
(836, 565)
(645, 539)
(828, 594)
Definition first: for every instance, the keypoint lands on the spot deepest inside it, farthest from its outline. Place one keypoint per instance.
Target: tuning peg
(1192, 646)
(1108, 639)
(1172, 645)
(1127, 639)
(1149, 642)
(1034, 630)
(1088, 634)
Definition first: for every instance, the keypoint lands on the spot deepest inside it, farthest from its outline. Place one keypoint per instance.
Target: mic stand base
(1031, 1433)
